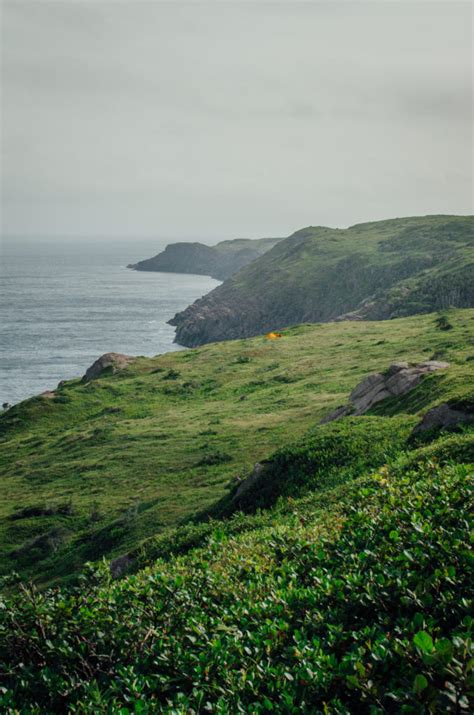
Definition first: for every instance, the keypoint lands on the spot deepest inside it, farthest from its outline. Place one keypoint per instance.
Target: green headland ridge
(372, 271)
(219, 261)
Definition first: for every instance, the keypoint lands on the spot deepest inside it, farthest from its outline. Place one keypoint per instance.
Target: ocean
(65, 303)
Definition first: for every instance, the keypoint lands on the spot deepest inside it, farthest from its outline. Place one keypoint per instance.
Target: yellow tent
(273, 336)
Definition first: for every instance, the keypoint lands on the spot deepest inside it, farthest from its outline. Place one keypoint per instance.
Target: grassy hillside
(219, 261)
(370, 271)
(107, 464)
(351, 592)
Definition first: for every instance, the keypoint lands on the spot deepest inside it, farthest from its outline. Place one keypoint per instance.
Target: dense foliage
(365, 608)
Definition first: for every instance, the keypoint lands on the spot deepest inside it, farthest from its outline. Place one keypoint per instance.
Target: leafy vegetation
(443, 322)
(363, 607)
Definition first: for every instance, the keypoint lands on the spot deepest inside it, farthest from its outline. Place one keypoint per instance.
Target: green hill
(219, 261)
(373, 271)
(95, 468)
(340, 582)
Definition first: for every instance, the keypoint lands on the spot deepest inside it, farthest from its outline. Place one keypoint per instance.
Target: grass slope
(104, 467)
(371, 271)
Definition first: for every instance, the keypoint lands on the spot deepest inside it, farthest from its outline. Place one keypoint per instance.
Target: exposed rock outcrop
(48, 395)
(109, 363)
(250, 481)
(445, 416)
(121, 565)
(399, 379)
(42, 545)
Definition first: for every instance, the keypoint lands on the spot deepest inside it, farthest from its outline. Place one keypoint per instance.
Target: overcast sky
(217, 119)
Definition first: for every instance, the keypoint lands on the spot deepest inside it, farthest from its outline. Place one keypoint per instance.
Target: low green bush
(214, 457)
(367, 609)
(442, 322)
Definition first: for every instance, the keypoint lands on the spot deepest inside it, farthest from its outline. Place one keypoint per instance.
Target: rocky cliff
(371, 271)
(220, 261)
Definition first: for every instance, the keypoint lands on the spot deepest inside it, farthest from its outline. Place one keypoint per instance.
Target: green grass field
(106, 465)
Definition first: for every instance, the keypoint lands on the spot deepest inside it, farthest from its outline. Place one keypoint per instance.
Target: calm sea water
(65, 303)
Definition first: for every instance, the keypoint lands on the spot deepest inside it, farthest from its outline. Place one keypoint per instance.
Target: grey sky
(223, 119)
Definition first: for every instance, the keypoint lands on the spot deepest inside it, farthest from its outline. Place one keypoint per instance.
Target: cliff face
(220, 261)
(370, 271)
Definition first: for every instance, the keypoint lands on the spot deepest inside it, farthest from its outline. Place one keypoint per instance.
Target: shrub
(65, 509)
(442, 322)
(364, 610)
(212, 458)
(242, 359)
(172, 374)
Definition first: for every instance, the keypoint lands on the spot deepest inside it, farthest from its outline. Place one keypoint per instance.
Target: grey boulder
(121, 565)
(253, 478)
(110, 363)
(444, 415)
(398, 380)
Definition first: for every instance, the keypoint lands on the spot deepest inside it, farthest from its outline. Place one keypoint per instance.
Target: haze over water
(65, 303)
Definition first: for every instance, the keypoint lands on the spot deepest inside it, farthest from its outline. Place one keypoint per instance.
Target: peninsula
(219, 261)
